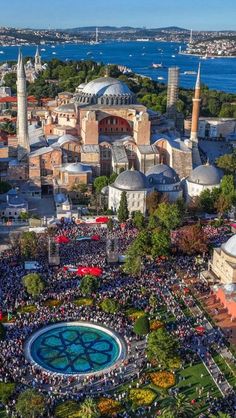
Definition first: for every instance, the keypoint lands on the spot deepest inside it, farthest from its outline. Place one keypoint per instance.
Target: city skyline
(155, 13)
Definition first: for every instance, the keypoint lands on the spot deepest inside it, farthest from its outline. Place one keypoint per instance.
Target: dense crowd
(61, 284)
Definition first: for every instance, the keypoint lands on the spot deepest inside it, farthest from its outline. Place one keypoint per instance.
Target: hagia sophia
(98, 130)
(101, 129)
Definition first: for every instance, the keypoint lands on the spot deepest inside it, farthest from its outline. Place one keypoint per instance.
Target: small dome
(77, 168)
(131, 180)
(106, 85)
(230, 246)
(162, 174)
(66, 138)
(206, 175)
(105, 191)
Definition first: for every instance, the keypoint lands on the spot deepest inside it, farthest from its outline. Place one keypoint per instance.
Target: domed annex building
(223, 269)
(135, 185)
(223, 263)
(165, 180)
(201, 178)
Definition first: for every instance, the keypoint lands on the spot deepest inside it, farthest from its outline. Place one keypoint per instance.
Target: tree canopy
(34, 284)
(123, 213)
(31, 404)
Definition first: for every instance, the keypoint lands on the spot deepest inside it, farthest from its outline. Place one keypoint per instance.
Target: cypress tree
(123, 212)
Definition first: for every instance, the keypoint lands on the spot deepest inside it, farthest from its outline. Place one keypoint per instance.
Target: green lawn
(193, 380)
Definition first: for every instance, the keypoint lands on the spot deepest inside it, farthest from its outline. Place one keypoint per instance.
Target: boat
(157, 65)
(130, 55)
(89, 53)
(160, 78)
(173, 56)
(54, 53)
(190, 72)
(43, 49)
(53, 46)
(204, 57)
(1, 52)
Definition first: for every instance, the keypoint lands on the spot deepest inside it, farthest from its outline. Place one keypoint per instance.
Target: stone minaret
(37, 61)
(22, 119)
(196, 108)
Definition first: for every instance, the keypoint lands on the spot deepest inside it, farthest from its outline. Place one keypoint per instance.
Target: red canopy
(62, 239)
(95, 237)
(94, 271)
(200, 329)
(102, 219)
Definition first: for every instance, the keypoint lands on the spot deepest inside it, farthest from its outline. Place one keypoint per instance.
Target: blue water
(75, 349)
(219, 73)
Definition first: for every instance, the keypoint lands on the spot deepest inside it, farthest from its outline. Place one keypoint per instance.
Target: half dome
(162, 174)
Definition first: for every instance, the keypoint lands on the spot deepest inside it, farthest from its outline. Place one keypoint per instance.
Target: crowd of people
(158, 280)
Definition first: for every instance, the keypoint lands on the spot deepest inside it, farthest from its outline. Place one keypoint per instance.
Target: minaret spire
(196, 107)
(22, 117)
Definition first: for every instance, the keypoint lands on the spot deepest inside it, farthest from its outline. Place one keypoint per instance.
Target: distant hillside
(122, 29)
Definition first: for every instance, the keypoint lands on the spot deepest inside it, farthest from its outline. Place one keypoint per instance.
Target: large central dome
(106, 90)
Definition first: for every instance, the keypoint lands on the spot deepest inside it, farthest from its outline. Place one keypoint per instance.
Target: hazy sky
(196, 14)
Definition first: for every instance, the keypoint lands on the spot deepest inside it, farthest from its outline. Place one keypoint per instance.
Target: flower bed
(83, 302)
(163, 379)
(142, 397)
(51, 303)
(156, 324)
(109, 406)
(134, 314)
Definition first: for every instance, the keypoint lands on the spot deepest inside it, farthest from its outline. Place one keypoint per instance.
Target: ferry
(43, 49)
(190, 72)
(173, 56)
(143, 40)
(156, 66)
(1, 52)
(160, 78)
(54, 53)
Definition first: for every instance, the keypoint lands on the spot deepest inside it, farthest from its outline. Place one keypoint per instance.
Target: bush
(30, 404)
(109, 305)
(6, 391)
(34, 284)
(88, 285)
(109, 406)
(142, 397)
(142, 325)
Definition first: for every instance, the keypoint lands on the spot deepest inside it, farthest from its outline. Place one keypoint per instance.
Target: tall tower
(196, 108)
(22, 118)
(37, 61)
(172, 91)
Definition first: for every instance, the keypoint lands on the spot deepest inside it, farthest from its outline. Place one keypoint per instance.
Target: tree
(152, 222)
(227, 185)
(88, 409)
(30, 404)
(191, 240)
(133, 264)
(112, 177)
(169, 215)
(88, 285)
(152, 201)
(142, 325)
(138, 220)
(160, 242)
(223, 204)
(110, 224)
(208, 198)
(29, 244)
(123, 213)
(179, 406)
(99, 183)
(227, 162)
(110, 305)
(10, 81)
(24, 216)
(34, 284)
(162, 346)
(4, 187)
(6, 391)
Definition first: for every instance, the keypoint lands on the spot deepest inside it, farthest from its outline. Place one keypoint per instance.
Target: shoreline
(212, 56)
